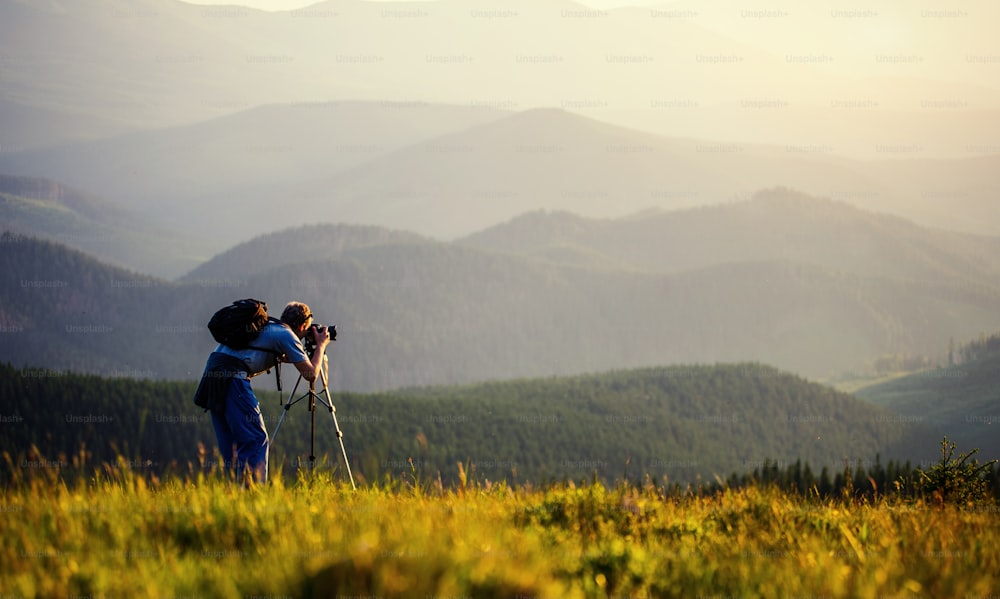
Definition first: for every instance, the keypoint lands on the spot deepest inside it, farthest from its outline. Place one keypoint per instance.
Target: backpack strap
(277, 364)
(270, 320)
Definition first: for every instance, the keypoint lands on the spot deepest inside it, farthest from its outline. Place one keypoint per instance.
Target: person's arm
(309, 369)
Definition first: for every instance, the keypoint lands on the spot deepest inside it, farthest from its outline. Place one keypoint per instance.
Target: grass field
(118, 534)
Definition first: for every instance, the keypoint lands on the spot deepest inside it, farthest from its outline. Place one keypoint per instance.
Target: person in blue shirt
(239, 426)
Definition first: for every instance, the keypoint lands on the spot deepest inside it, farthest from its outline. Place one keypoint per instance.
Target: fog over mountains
(819, 77)
(447, 171)
(812, 187)
(447, 117)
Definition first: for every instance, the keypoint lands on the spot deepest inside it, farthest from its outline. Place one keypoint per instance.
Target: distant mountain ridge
(450, 171)
(465, 181)
(196, 114)
(415, 311)
(776, 224)
(303, 244)
(48, 209)
(246, 174)
(122, 59)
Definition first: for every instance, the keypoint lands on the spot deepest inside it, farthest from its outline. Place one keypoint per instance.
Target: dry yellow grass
(121, 535)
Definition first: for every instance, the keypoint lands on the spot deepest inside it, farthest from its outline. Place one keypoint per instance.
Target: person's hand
(321, 335)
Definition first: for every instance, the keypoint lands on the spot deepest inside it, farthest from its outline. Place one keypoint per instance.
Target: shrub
(955, 480)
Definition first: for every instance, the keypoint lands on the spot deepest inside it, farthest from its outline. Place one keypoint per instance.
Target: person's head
(298, 317)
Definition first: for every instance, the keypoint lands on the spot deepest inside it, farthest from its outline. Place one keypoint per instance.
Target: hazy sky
(296, 4)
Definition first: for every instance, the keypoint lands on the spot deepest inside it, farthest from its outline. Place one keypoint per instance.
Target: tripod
(324, 398)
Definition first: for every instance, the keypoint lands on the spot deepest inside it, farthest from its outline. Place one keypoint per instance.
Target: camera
(310, 338)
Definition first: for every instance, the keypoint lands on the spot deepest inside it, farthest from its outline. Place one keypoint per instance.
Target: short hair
(295, 314)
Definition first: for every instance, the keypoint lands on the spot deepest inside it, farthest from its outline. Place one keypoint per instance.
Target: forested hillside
(310, 243)
(961, 400)
(62, 309)
(413, 311)
(682, 422)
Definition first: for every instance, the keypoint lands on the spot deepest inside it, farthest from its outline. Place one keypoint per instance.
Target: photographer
(236, 416)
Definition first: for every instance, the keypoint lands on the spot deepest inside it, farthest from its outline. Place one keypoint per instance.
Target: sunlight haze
(275, 5)
(644, 244)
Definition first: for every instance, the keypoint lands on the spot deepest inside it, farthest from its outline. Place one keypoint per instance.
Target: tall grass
(118, 533)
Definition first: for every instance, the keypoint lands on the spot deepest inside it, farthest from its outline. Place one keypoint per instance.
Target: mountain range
(779, 224)
(790, 75)
(445, 118)
(813, 286)
(447, 172)
(475, 192)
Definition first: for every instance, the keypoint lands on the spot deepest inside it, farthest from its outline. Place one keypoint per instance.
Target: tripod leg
(312, 429)
(312, 396)
(277, 428)
(340, 436)
(286, 406)
(294, 389)
(336, 425)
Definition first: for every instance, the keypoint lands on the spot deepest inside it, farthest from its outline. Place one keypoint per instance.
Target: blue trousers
(240, 430)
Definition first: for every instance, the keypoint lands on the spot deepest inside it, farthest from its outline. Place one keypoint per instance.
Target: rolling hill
(37, 207)
(414, 311)
(691, 71)
(777, 224)
(556, 160)
(681, 423)
(233, 177)
(960, 401)
(449, 171)
(395, 115)
(303, 244)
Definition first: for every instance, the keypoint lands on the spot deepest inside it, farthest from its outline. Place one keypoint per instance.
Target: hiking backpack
(239, 323)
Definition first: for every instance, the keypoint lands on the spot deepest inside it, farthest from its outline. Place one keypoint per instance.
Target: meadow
(118, 533)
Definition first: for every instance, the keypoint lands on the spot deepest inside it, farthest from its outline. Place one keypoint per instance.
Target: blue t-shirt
(276, 337)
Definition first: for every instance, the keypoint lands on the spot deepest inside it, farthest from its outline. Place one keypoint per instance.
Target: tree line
(676, 424)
